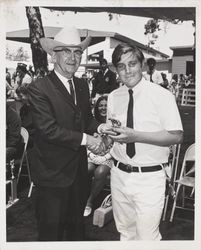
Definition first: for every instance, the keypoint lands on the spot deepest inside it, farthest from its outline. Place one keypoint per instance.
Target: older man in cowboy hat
(63, 121)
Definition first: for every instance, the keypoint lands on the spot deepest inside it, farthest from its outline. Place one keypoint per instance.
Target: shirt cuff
(99, 128)
(84, 139)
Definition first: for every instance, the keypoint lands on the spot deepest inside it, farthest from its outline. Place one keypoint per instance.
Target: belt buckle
(128, 168)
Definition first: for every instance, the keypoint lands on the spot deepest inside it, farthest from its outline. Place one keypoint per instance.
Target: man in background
(152, 74)
(105, 80)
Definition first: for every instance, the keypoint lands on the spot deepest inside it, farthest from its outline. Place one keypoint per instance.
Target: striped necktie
(72, 91)
(130, 147)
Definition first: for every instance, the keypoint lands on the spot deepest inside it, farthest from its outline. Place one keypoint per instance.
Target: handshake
(100, 144)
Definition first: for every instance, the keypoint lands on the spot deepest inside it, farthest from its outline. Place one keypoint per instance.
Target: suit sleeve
(91, 123)
(46, 124)
(113, 80)
(94, 84)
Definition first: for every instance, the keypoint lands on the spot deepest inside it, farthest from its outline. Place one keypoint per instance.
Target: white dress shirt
(154, 110)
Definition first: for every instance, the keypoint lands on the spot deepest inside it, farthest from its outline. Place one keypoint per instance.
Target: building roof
(97, 36)
(188, 47)
(183, 50)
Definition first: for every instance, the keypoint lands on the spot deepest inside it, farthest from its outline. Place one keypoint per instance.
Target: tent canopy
(167, 13)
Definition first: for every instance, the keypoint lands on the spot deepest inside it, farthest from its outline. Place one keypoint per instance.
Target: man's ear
(53, 57)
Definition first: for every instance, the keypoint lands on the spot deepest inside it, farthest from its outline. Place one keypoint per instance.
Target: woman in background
(98, 166)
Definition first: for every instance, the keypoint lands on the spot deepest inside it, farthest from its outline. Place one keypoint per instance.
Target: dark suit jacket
(59, 125)
(104, 84)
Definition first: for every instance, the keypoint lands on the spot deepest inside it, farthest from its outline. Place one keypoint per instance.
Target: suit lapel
(60, 86)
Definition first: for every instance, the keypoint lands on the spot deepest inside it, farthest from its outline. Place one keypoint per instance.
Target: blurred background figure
(181, 80)
(25, 113)
(165, 81)
(152, 74)
(105, 80)
(10, 91)
(174, 86)
(23, 76)
(14, 142)
(31, 71)
(8, 77)
(98, 166)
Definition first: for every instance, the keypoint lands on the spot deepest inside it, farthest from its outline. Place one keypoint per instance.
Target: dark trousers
(59, 211)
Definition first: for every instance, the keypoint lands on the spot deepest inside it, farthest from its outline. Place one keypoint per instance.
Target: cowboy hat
(66, 37)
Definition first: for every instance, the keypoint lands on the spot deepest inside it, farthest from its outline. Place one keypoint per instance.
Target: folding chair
(24, 157)
(185, 180)
(13, 185)
(173, 165)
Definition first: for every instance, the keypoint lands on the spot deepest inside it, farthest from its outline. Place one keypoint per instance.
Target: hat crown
(68, 36)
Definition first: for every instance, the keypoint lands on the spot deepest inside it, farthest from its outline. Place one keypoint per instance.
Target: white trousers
(137, 201)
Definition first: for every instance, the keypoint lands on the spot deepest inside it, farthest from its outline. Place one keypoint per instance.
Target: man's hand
(108, 142)
(123, 135)
(106, 128)
(96, 144)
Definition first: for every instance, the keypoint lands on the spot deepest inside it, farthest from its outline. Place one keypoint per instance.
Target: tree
(39, 56)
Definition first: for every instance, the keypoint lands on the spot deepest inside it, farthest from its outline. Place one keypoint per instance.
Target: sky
(130, 26)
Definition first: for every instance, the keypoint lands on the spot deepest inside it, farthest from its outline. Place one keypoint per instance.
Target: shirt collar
(62, 78)
(137, 87)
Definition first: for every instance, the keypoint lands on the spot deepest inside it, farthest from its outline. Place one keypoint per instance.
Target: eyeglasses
(68, 52)
(122, 66)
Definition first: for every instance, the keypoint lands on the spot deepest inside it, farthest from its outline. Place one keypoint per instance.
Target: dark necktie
(151, 80)
(130, 147)
(72, 92)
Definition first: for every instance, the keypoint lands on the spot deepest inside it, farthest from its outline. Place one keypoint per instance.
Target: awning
(168, 13)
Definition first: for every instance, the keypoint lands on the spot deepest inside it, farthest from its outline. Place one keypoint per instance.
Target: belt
(129, 169)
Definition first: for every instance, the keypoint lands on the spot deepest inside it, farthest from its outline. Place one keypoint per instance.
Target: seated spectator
(14, 141)
(152, 74)
(98, 166)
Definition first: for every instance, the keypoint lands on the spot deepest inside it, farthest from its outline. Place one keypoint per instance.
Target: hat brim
(49, 44)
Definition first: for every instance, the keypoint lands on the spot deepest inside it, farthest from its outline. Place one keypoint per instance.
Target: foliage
(152, 26)
(19, 55)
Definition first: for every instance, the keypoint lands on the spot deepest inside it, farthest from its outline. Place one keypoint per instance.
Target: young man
(62, 116)
(150, 123)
